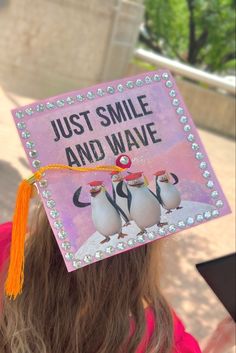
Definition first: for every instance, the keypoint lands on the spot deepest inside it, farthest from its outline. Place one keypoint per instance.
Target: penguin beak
(137, 183)
(164, 180)
(94, 191)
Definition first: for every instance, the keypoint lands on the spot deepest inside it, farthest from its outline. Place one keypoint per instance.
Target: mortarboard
(74, 141)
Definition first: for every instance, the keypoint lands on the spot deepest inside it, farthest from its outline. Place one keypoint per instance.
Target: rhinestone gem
(36, 163)
(98, 254)
(51, 203)
(175, 102)
(90, 95)
(215, 213)
(30, 144)
(130, 84)
(21, 125)
(169, 84)
(25, 134)
(110, 89)
(43, 183)
(181, 224)
(60, 103)
(179, 110)
(50, 105)
(69, 256)
(62, 234)
(77, 264)
(124, 160)
(54, 213)
(46, 194)
(195, 146)
(156, 78)
(187, 128)
(199, 155)
(183, 119)
(210, 184)
(29, 111)
(131, 242)
(66, 245)
(80, 98)
(110, 249)
(165, 75)
(190, 220)
(199, 218)
(120, 88)
(121, 246)
(40, 107)
(100, 92)
(151, 235)
(203, 165)
(148, 79)
(191, 137)
(207, 214)
(58, 224)
(70, 100)
(214, 194)
(206, 174)
(141, 238)
(219, 203)
(172, 93)
(33, 153)
(172, 228)
(20, 114)
(161, 231)
(87, 259)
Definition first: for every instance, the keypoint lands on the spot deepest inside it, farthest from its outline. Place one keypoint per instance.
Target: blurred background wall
(53, 46)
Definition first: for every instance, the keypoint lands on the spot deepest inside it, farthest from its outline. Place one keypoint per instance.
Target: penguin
(143, 205)
(105, 212)
(166, 192)
(120, 192)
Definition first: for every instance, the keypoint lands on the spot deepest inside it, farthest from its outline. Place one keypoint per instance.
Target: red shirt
(183, 342)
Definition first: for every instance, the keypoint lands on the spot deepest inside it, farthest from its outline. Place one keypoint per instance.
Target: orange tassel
(15, 277)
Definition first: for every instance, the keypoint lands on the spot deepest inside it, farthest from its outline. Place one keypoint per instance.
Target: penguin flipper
(76, 201)
(118, 209)
(176, 179)
(129, 199)
(114, 193)
(120, 191)
(158, 195)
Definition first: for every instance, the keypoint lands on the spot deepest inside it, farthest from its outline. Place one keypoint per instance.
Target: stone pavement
(186, 290)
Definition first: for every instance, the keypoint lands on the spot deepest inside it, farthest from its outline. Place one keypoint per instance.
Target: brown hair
(85, 311)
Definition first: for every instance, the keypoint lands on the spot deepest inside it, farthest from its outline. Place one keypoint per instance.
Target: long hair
(85, 311)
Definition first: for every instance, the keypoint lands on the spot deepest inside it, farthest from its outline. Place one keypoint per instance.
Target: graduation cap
(74, 141)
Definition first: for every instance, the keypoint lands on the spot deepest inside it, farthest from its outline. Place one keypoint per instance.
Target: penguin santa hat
(78, 142)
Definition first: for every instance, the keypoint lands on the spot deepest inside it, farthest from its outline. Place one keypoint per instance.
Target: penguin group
(131, 200)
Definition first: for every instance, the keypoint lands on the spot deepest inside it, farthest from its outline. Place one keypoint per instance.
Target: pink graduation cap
(74, 141)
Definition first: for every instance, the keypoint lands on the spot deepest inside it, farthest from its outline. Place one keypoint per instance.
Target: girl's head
(85, 311)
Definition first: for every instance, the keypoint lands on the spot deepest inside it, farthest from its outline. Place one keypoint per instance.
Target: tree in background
(198, 32)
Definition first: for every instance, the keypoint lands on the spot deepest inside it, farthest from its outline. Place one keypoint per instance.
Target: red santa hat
(114, 173)
(96, 183)
(160, 172)
(133, 176)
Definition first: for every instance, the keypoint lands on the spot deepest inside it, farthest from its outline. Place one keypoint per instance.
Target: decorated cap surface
(76, 140)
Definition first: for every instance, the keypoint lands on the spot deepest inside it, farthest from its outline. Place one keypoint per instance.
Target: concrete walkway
(187, 292)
